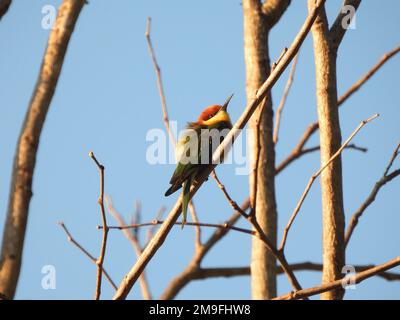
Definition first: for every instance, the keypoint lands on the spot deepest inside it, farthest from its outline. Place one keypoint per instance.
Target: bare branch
(228, 272)
(312, 128)
(299, 153)
(207, 273)
(273, 10)
(338, 30)
(371, 197)
(392, 158)
(314, 176)
(232, 203)
(28, 143)
(133, 239)
(85, 252)
(100, 260)
(359, 277)
(159, 82)
(225, 225)
(284, 97)
(358, 84)
(165, 228)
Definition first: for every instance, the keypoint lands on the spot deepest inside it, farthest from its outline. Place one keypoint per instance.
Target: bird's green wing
(185, 199)
(185, 166)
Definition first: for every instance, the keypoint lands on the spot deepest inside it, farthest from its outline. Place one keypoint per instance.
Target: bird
(191, 154)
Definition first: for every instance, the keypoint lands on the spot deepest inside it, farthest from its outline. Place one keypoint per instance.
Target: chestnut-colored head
(215, 114)
(208, 113)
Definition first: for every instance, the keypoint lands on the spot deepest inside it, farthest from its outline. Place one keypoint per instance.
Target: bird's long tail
(185, 199)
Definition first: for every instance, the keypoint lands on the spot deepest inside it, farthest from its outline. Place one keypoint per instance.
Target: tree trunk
(27, 146)
(330, 141)
(263, 263)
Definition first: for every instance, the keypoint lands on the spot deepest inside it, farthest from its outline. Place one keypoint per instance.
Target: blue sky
(106, 101)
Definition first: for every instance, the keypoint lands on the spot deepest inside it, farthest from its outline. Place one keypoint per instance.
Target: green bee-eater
(195, 149)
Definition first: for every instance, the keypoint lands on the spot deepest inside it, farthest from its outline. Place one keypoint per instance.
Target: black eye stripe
(211, 115)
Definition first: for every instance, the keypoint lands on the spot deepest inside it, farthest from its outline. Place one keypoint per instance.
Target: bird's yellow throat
(221, 116)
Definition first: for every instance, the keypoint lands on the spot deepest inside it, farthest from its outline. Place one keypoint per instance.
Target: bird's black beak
(225, 105)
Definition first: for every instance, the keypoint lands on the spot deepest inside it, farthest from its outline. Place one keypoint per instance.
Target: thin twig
(85, 252)
(357, 278)
(371, 197)
(284, 97)
(225, 225)
(159, 81)
(232, 203)
(164, 108)
(134, 240)
(392, 158)
(315, 175)
(159, 238)
(100, 201)
(275, 64)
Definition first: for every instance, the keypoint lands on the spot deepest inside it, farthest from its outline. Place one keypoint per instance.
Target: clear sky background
(106, 101)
